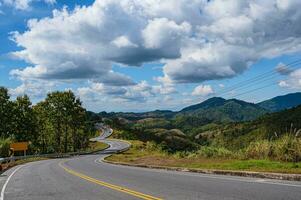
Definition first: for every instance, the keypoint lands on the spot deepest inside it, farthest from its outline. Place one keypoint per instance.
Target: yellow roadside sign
(19, 146)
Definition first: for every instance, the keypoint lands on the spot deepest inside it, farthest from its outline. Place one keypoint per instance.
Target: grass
(148, 154)
(97, 146)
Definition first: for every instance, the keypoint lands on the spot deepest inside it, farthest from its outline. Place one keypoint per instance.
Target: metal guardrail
(54, 155)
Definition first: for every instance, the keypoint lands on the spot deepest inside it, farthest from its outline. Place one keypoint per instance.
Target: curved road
(88, 178)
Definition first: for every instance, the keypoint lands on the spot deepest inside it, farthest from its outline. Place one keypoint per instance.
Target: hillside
(281, 102)
(217, 109)
(239, 135)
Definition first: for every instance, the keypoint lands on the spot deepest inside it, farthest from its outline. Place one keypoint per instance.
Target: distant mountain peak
(212, 102)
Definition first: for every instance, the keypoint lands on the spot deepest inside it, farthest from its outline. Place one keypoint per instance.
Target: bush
(215, 152)
(287, 148)
(4, 147)
(258, 150)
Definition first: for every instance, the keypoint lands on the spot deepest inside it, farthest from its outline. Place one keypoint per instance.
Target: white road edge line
(6, 182)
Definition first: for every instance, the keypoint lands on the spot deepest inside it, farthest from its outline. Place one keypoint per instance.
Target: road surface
(88, 178)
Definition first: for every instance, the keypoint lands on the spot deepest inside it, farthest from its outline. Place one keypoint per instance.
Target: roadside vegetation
(58, 124)
(148, 153)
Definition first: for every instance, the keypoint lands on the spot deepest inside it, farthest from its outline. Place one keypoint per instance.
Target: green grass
(97, 146)
(147, 154)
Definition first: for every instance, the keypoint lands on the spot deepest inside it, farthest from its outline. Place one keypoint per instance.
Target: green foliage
(4, 147)
(6, 113)
(57, 124)
(215, 152)
(25, 128)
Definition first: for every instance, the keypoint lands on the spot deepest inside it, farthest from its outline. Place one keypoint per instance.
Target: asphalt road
(88, 178)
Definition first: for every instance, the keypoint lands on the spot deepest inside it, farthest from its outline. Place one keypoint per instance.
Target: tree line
(57, 124)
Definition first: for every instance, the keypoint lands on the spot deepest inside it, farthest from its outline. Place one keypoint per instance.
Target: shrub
(258, 150)
(287, 148)
(4, 147)
(215, 152)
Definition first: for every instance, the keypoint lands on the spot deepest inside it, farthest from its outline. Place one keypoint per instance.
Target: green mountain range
(217, 109)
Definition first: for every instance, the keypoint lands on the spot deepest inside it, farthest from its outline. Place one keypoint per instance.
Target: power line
(262, 78)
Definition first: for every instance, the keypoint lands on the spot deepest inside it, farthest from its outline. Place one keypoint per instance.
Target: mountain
(217, 109)
(281, 102)
(209, 103)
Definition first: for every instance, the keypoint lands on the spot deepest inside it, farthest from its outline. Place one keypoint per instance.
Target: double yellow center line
(108, 185)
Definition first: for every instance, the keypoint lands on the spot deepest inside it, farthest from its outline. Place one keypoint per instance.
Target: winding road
(88, 178)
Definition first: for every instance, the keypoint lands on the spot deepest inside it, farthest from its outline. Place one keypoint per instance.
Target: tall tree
(68, 118)
(24, 120)
(6, 113)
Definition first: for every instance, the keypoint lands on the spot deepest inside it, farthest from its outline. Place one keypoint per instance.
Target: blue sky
(132, 55)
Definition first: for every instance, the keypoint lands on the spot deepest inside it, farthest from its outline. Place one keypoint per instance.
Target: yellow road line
(108, 185)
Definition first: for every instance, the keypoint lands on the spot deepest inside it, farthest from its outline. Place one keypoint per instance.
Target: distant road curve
(88, 178)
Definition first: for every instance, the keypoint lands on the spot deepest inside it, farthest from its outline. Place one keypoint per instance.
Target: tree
(5, 113)
(68, 118)
(24, 120)
(44, 128)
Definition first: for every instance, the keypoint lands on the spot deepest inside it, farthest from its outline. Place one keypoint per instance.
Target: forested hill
(282, 102)
(221, 110)
(240, 135)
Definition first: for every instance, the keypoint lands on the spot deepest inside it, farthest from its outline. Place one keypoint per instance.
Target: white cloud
(283, 84)
(231, 35)
(162, 33)
(196, 41)
(283, 69)
(123, 41)
(293, 80)
(23, 4)
(204, 40)
(202, 90)
(36, 90)
(164, 89)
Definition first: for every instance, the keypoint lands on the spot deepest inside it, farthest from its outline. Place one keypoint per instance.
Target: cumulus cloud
(202, 90)
(293, 80)
(196, 41)
(36, 89)
(23, 4)
(139, 92)
(283, 69)
(231, 35)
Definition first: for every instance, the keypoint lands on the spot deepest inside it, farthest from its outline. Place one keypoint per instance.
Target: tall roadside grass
(286, 148)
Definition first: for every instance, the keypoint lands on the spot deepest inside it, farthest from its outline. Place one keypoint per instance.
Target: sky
(142, 55)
